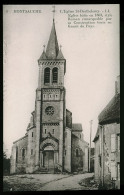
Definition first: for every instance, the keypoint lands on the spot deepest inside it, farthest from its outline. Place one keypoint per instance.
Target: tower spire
(52, 49)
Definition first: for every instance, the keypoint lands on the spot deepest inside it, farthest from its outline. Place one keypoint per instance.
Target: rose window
(49, 110)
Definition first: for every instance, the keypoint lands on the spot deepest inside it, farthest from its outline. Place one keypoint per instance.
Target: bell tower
(50, 105)
(52, 65)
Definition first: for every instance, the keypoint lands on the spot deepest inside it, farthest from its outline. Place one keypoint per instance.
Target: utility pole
(90, 142)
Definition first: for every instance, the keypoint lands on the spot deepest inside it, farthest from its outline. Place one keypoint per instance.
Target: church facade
(52, 143)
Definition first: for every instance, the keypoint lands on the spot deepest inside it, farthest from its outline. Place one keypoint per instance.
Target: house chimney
(117, 85)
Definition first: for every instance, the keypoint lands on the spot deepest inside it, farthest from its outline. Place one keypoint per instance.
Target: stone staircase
(44, 170)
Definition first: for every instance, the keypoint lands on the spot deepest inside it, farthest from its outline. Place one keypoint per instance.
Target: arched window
(55, 75)
(46, 75)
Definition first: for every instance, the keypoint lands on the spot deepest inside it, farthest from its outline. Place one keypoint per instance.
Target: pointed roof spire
(52, 46)
(60, 55)
(43, 55)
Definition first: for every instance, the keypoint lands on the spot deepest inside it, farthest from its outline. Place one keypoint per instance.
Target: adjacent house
(107, 143)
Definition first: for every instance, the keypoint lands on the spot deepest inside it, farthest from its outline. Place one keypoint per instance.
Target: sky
(92, 64)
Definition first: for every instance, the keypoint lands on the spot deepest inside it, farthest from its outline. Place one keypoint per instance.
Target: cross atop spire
(53, 12)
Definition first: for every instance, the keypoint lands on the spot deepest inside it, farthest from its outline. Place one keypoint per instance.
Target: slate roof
(26, 135)
(43, 56)
(60, 55)
(77, 127)
(111, 113)
(52, 49)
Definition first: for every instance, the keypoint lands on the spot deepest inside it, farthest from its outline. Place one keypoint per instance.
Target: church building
(52, 143)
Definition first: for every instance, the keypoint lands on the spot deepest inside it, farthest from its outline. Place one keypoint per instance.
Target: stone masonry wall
(103, 170)
(19, 157)
(78, 160)
(67, 150)
(97, 161)
(31, 150)
(109, 156)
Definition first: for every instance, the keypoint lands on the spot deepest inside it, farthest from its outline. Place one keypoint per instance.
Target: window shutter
(100, 144)
(113, 142)
(118, 167)
(113, 171)
(118, 141)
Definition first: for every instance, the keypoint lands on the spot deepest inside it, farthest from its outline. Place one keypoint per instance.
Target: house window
(45, 131)
(32, 134)
(55, 75)
(77, 152)
(47, 75)
(118, 142)
(31, 151)
(53, 131)
(80, 136)
(113, 142)
(100, 159)
(113, 171)
(23, 153)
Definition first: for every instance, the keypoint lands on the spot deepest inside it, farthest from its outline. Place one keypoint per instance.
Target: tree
(6, 164)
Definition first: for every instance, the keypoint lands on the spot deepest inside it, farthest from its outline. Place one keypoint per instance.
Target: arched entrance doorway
(49, 155)
(48, 158)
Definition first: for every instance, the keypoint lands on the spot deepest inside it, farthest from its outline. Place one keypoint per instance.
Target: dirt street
(44, 182)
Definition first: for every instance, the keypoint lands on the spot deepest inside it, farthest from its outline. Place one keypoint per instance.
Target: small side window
(16, 154)
(31, 151)
(77, 152)
(23, 153)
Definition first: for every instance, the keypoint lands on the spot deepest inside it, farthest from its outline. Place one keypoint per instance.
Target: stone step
(42, 170)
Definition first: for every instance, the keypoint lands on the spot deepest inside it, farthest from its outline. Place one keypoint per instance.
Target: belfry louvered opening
(47, 75)
(55, 75)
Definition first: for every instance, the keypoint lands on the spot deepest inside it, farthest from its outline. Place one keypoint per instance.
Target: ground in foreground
(46, 182)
